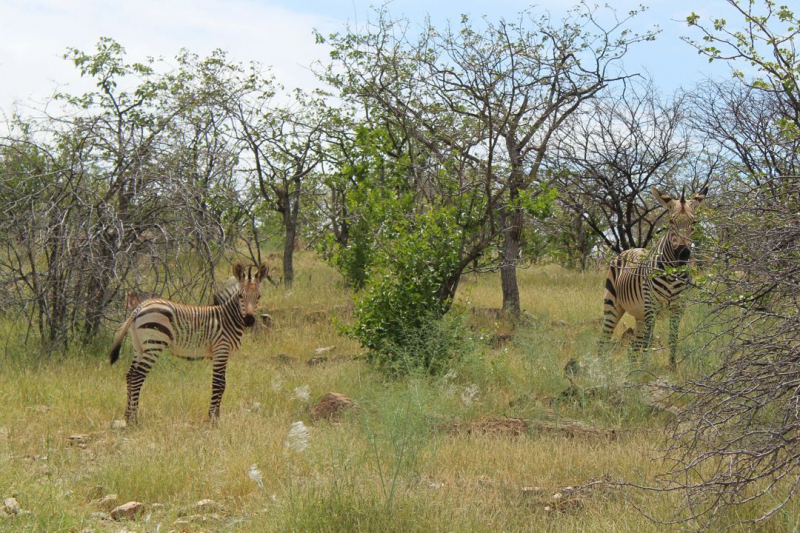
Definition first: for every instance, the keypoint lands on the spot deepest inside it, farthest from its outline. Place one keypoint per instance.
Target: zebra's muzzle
(249, 320)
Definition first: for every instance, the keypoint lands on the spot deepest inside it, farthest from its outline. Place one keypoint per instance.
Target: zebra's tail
(123, 329)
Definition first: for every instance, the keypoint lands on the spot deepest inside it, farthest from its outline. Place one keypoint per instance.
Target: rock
(101, 516)
(331, 406)
(107, 502)
(559, 324)
(317, 360)
(208, 505)
(266, 319)
(325, 349)
(195, 518)
(127, 510)
(118, 424)
(10, 506)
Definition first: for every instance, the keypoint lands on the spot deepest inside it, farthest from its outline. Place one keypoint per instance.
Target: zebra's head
(681, 221)
(249, 289)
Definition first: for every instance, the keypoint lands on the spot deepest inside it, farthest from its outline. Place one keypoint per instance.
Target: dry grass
(383, 467)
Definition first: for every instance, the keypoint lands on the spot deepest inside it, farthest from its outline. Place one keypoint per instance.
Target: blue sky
(36, 33)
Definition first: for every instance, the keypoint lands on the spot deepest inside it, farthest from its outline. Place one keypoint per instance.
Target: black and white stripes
(188, 330)
(640, 281)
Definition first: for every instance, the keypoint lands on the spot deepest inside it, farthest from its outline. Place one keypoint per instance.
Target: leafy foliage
(399, 310)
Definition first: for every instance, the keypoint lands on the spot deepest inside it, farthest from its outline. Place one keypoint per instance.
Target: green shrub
(399, 313)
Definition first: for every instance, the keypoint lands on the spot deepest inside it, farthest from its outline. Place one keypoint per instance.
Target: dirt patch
(515, 427)
(500, 426)
(573, 429)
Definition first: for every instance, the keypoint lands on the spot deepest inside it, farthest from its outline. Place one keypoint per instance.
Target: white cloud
(36, 35)
(277, 33)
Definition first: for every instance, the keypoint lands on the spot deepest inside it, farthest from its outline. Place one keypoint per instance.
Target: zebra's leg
(649, 321)
(676, 313)
(643, 332)
(612, 312)
(219, 363)
(141, 365)
(638, 342)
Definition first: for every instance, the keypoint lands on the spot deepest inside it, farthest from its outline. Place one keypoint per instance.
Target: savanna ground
(417, 455)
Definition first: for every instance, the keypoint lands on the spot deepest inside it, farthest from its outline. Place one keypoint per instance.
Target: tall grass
(390, 465)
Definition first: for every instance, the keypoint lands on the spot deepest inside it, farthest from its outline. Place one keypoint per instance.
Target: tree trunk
(288, 251)
(581, 243)
(512, 223)
(290, 223)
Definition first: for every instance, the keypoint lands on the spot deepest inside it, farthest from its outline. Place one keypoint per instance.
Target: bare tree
(735, 441)
(744, 124)
(610, 155)
(109, 192)
(283, 142)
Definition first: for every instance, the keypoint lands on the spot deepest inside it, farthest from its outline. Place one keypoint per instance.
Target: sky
(35, 34)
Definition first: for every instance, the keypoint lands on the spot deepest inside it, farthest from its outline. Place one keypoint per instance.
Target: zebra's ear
(263, 272)
(700, 196)
(238, 271)
(664, 199)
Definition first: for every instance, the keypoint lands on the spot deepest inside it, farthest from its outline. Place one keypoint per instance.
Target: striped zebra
(211, 331)
(640, 281)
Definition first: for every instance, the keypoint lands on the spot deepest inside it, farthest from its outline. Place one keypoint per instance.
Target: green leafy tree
(491, 94)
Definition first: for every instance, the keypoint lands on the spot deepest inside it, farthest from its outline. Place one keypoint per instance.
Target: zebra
(640, 281)
(213, 331)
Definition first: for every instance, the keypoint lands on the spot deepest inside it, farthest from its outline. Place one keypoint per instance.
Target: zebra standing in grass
(213, 331)
(640, 281)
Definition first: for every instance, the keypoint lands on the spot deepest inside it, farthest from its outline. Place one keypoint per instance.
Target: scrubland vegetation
(419, 453)
(438, 218)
